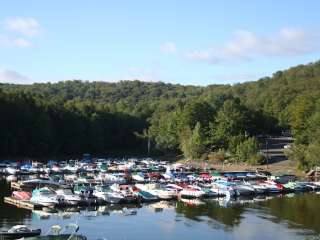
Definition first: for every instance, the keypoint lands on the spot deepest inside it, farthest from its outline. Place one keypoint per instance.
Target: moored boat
(69, 232)
(19, 231)
(44, 196)
(21, 195)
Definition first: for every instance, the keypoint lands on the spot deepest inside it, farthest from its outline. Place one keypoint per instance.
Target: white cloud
(168, 47)
(27, 26)
(9, 76)
(246, 45)
(6, 41)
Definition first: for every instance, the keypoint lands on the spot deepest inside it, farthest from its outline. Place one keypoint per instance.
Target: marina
(112, 192)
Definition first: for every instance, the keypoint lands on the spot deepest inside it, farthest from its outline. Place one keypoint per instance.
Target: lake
(292, 216)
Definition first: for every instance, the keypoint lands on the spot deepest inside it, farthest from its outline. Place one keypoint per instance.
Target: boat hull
(9, 236)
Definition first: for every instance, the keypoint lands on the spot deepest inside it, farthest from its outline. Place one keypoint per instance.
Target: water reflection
(299, 210)
(289, 216)
(228, 216)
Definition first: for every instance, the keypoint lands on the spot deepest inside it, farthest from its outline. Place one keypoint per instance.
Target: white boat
(156, 190)
(139, 177)
(105, 194)
(126, 166)
(191, 192)
(11, 170)
(44, 196)
(109, 178)
(168, 174)
(70, 177)
(125, 191)
(11, 178)
(223, 187)
(66, 196)
(258, 188)
(272, 186)
(40, 182)
(71, 168)
(243, 189)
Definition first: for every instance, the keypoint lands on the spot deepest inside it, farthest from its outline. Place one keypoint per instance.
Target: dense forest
(216, 122)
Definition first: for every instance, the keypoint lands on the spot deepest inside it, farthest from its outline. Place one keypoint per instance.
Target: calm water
(286, 217)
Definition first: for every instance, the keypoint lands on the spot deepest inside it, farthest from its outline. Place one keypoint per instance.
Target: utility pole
(267, 154)
(149, 145)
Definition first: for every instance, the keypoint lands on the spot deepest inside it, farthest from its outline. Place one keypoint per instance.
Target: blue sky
(187, 42)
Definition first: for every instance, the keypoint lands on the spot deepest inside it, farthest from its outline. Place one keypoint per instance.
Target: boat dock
(15, 185)
(22, 204)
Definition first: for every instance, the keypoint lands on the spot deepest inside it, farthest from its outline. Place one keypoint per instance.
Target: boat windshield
(45, 192)
(104, 188)
(67, 191)
(19, 228)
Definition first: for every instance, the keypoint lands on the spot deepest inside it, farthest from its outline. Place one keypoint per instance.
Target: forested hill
(122, 96)
(271, 94)
(73, 116)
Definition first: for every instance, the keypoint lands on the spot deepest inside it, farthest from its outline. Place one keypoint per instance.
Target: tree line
(215, 122)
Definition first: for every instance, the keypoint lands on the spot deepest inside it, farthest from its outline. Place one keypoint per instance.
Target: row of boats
(94, 193)
(139, 180)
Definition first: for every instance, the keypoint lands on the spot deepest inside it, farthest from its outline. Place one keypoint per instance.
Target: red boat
(21, 195)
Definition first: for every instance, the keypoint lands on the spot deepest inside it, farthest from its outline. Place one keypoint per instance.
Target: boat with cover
(21, 195)
(56, 232)
(19, 231)
(39, 182)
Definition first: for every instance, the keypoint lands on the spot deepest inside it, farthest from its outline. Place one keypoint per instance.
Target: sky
(175, 41)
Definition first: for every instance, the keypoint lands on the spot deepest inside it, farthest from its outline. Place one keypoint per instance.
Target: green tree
(192, 142)
(247, 151)
(230, 121)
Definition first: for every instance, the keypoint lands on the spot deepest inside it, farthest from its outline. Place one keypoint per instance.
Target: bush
(219, 156)
(256, 159)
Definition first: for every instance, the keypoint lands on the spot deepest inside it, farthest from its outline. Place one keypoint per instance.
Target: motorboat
(224, 187)
(125, 191)
(66, 196)
(19, 231)
(40, 182)
(144, 195)
(258, 188)
(11, 178)
(56, 232)
(105, 194)
(191, 192)
(273, 187)
(168, 174)
(243, 189)
(85, 191)
(21, 195)
(44, 196)
(111, 178)
(156, 190)
(139, 177)
(11, 170)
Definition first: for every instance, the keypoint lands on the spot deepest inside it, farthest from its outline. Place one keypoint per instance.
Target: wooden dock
(22, 204)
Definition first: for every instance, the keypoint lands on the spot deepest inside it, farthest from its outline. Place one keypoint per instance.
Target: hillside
(72, 116)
